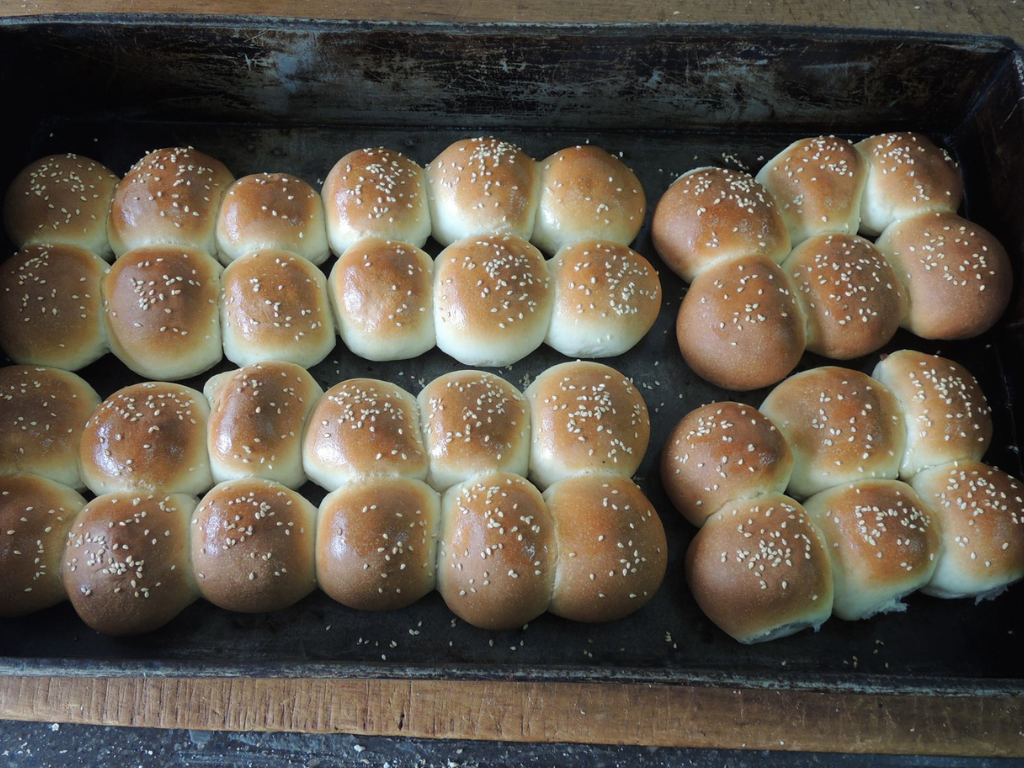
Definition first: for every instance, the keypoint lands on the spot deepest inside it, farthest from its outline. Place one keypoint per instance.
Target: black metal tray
(278, 95)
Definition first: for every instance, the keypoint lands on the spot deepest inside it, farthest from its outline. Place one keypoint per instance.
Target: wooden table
(993, 17)
(551, 712)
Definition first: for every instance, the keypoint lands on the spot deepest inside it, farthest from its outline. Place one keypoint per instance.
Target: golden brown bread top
(169, 196)
(980, 511)
(710, 214)
(126, 567)
(489, 286)
(612, 551)
(740, 326)
(880, 531)
(817, 185)
(146, 436)
(498, 551)
(909, 170)
(50, 303)
(491, 184)
(374, 190)
(35, 514)
(841, 425)
(160, 298)
(588, 416)
(383, 287)
(595, 280)
(252, 544)
(43, 412)
(850, 294)
(268, 208)
(946, 413)
(759, 564)
(366, 427)
(957, 274)
(473, 419)
(257, 413)
(276, 298)
(720, 452)
(585, 191)
(377, 542)
(60, 199)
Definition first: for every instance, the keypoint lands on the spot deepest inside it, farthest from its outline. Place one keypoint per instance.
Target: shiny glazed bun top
(709, 215)
(61, 199)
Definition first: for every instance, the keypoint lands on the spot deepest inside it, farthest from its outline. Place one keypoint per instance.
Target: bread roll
(51, 310)
(946, 413)
(376, 543)
(841, 425)
(883, 544)
(126, 566)
(274, 306)
(257, 417)
(473, 422)
(162, 315)
(363, 428)
(980, 512)
(607, 297)
(710, 215)
(850, 295)
(169, 197)
(585, 417)
(35, 514)
(739, 326)
(148, 437)
(817, 185)
(376, 192)
(759, 569)
(720, 452)
(587, 194)
(253, 546)
(43, 412)
(271, 210)
(497, 554)
(612, 552)
(906, 175)
(61, 199)
(482, 186)
(381, 292)
(492, 300)
(957, 275)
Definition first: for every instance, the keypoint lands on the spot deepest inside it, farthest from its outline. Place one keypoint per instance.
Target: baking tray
(294, 96)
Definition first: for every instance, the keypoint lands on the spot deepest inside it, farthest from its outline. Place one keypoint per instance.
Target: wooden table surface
(551, 712)
(994, 17)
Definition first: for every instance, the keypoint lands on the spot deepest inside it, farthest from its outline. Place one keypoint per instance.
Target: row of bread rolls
(171, 312)
(591, 548)
(273, 420)
(776, 265)
(763, 565)
(145, 547)
(180, 196)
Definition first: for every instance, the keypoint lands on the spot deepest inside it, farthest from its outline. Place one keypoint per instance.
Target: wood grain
(995, 17)
(542, 712)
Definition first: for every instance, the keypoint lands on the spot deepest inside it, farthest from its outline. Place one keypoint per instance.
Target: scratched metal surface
(294, 98)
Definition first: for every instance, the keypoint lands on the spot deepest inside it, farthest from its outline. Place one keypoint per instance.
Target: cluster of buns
(208, 265)
(431, 493)
(425, 493)
(776, 264)
(763, 565)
